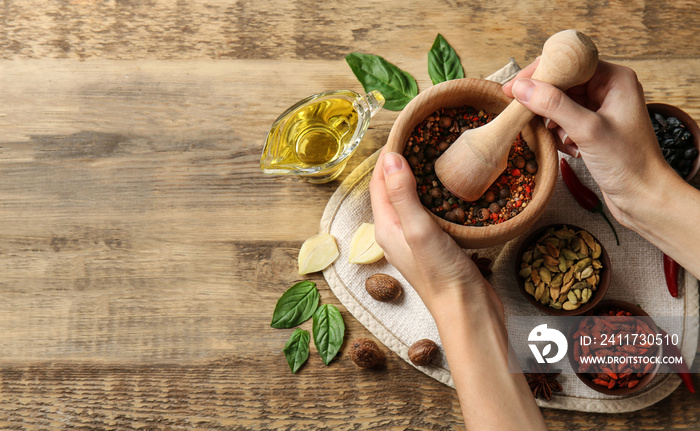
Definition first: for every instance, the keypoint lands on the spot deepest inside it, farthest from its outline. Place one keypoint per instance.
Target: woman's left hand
(430, 260)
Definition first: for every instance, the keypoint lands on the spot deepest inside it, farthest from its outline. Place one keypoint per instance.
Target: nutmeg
(422, 352)
(383, 287)
(365, 353)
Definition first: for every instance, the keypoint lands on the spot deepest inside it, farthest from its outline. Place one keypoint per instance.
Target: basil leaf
(375, 73)
(296, 305)
(297, 349)
(443, 62)
(329, 331)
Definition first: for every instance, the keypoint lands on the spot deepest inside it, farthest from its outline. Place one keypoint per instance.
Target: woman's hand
(468, 313)
(606, 122)
(429, 259)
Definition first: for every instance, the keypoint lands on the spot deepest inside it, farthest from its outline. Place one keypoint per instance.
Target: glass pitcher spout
(371, 102)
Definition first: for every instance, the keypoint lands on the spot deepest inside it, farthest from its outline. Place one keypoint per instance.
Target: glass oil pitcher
(315, 138)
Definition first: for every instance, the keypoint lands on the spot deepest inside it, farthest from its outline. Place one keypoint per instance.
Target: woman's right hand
(606, 122)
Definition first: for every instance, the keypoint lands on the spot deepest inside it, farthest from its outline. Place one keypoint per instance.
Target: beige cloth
(637, 278)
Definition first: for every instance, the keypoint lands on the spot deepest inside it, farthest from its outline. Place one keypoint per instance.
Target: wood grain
(141, 249)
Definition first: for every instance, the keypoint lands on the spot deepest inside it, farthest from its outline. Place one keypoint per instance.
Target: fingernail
(523, 88)
(546, 123)
(392, 163)
(573, 151)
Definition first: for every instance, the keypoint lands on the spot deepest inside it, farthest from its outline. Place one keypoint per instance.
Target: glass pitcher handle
(371, 102)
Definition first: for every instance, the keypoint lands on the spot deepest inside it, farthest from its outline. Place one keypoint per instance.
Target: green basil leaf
(375, 73)
(329, 331)
(296, 305)
(443, 62)
(297, 349)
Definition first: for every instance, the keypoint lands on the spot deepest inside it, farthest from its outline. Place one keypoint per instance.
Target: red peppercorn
(516, 172)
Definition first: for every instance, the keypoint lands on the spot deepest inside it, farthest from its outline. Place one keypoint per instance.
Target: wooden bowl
(599, 293)
(585, 377)
(486, 95)
(688, 122)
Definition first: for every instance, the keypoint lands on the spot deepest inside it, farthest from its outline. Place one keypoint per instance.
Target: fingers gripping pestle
(476, 159)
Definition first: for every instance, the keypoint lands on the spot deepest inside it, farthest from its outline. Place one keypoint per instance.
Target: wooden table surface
(141, 249)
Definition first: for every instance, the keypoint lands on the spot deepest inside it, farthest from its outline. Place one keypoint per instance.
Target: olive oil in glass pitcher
(315, 138)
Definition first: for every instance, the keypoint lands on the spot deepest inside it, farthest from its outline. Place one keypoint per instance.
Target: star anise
(542, 381)
(483, 264)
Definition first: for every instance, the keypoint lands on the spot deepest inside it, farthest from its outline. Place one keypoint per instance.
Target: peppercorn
(432, 137)
(451, 217)
(531, 166)
(445, 122)
(484, 214)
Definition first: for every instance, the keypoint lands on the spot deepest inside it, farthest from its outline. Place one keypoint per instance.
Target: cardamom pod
(582, 264)
(587, 272)
(525, 271)
(552, 268)
(568, 254)
(550, 260)
(590, 242)
(530, 287)
(569, 306)
(554, 293)
(564, 234)
(562, 264)
(569, 275)
(539, 291)
(566, 286)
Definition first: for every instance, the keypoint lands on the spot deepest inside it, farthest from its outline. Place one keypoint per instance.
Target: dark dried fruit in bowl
(676, 143)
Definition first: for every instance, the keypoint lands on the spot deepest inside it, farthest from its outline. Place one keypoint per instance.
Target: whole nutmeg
(422, 352)
(383, 287)
(365, 353)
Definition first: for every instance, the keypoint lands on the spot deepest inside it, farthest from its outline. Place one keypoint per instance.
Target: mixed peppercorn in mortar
(505, 198)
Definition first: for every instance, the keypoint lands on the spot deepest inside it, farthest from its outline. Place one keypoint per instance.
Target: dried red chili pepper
(583, 195)
(680, 369)
(671, 268)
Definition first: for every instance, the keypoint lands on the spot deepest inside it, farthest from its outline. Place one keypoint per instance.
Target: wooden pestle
(476, 159)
